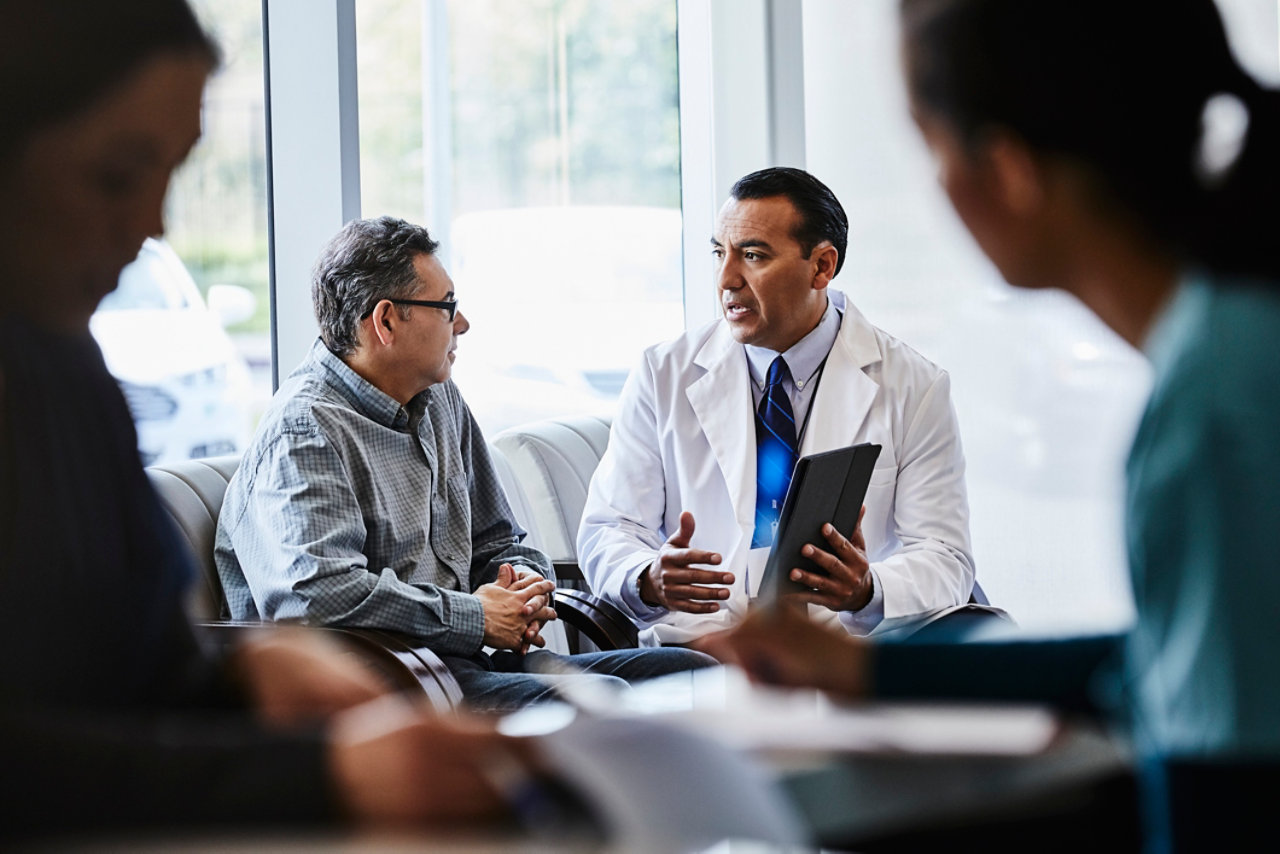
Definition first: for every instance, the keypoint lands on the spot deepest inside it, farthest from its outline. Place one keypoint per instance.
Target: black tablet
(826, 487)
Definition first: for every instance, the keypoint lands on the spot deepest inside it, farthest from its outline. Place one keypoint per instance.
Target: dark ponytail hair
(59, 56)
(1120, 86)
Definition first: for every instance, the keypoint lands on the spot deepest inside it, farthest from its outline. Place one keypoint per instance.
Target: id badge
(757, 559)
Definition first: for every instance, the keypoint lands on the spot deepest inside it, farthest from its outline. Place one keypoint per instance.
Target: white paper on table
(662, 788)
(775, 722)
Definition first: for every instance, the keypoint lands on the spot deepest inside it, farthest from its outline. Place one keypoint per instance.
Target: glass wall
(539, 140)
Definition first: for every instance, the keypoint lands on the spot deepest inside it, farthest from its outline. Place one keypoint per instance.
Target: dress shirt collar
(364, 396)
(804, 358)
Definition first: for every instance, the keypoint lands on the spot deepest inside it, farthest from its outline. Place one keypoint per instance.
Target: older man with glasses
(368, 498)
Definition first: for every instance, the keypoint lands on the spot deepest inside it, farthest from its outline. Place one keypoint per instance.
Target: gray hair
(369, 260)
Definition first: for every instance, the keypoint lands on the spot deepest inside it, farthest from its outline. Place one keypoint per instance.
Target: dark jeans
(504, 681)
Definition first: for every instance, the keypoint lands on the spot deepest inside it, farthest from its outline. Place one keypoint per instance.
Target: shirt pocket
(878, 524)
(451, 526)
(885, 472)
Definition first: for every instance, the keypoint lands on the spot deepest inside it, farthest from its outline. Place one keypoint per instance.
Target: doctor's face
(771, 293)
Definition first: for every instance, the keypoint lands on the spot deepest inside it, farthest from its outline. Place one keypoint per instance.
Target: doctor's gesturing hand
(671, 581)
(845, 583)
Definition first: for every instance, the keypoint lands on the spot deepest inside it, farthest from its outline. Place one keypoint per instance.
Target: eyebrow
(746, 244)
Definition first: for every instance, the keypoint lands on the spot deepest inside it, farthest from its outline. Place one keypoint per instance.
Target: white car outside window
(187, 386)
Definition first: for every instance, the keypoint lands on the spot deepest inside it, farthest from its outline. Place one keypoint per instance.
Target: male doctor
(679, 517)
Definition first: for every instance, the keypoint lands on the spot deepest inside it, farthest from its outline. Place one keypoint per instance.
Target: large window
(539, 139)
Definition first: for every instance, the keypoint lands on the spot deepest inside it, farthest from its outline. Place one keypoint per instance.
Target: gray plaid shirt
(349, 509)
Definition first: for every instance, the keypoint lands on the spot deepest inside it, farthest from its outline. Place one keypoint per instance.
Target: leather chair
(192, 492)
(545, 468)
(551, 462)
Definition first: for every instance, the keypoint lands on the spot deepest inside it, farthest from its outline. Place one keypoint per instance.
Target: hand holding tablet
(827, 488)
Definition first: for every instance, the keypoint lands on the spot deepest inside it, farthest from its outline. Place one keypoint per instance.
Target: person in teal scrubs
(1117, 151)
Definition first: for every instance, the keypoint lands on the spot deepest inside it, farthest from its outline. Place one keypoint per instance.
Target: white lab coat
(684, 439)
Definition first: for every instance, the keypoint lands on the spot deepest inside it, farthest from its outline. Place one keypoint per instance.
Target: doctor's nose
(728, 276)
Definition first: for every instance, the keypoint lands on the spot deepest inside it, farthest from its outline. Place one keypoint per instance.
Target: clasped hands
(516, 606)
(673, 582)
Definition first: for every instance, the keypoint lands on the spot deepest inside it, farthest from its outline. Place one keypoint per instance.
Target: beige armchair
(192, 492)
(546, 468)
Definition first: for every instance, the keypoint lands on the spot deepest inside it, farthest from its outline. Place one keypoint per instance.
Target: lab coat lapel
(845, 393)
(721, 401)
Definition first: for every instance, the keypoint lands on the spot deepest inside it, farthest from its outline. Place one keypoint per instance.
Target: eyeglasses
(450, 305)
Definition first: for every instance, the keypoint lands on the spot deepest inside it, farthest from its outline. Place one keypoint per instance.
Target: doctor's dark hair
(1134, 91)
(821, 215)
(60, 56)
(368, 260)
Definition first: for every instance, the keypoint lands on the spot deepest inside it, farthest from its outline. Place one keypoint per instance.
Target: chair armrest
(606, 626)
(224, 635)
(403, 662)
(433, 677)
(568, 570)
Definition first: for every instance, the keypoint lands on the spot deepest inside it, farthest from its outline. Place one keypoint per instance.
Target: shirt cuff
(866, 618)
(466, 624)
(640, 609)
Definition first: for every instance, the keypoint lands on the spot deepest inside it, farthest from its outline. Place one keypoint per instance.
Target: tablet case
(826, 487)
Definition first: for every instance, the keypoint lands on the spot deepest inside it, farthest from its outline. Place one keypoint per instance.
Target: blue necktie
(775, 453)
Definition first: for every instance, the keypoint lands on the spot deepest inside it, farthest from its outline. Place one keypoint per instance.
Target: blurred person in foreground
(112, 717)
(1117, 151)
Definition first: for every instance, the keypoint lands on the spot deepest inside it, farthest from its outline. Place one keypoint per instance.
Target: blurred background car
(187, 386)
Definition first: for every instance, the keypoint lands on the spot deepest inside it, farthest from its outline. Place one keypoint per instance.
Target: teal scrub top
(1203, 518)
(1199, 674)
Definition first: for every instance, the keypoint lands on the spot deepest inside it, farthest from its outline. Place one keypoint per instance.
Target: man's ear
(1016, 175)
(382, 323)
(824, 257)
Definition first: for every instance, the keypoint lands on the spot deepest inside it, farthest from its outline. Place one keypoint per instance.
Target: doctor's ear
(824, 257)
